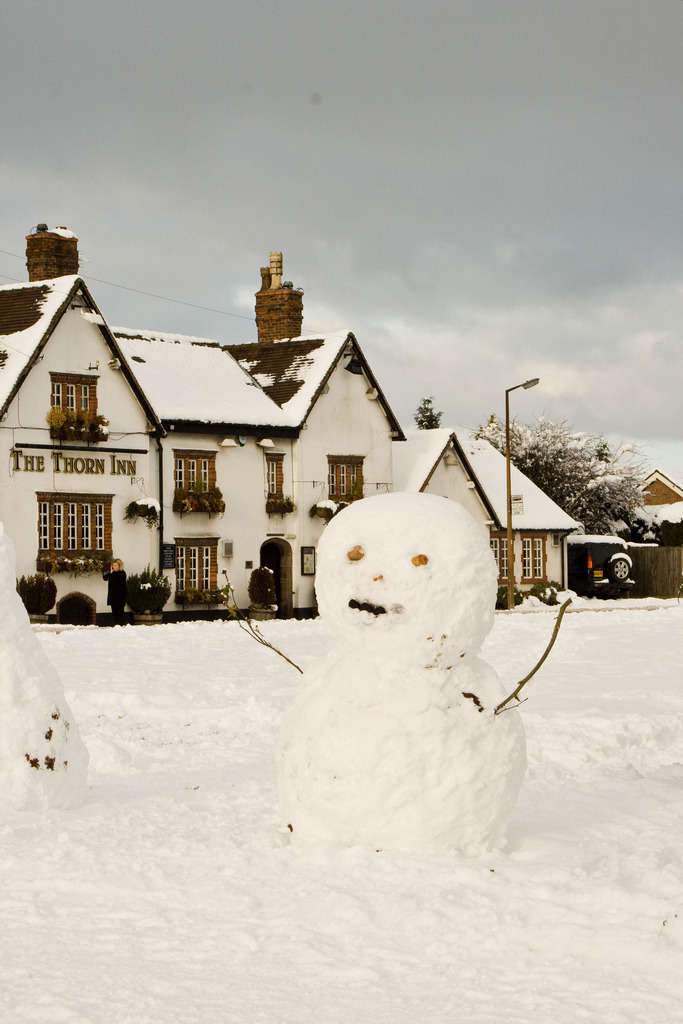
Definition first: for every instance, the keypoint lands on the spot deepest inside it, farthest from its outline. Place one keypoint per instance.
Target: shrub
(148, 591)
(38, 593)
(261, 588)
(546, 592)
(502, 596)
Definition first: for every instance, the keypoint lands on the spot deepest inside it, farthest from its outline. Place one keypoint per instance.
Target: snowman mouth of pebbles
(375, 609)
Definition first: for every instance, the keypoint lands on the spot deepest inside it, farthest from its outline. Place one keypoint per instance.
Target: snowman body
(392, 741)
(43, 762)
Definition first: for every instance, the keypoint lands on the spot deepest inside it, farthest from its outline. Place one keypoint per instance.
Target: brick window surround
(196, 560)
(193, 465)
(345, 477)
(533, 556)
(73, 391)
(275, 473)
(499, 547)
(74, 522)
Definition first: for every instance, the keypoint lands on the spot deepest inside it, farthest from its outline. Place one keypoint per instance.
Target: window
(192, 467)
(345, 477)
(73, 391)
(65, 522)
(499, 547)
(196, 563)
(275, 473)
(533, 557)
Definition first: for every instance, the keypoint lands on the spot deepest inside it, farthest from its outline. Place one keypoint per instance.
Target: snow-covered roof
(27, 312)
(416, 458)
(196, 380)
(294, 370)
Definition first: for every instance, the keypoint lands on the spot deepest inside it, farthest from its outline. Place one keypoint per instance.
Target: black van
(599, 566)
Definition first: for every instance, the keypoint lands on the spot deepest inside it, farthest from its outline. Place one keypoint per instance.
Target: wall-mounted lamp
(229, 442)
(266, 442)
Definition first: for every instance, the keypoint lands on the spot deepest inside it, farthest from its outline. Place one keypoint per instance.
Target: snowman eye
(420, 560)
(355, 554)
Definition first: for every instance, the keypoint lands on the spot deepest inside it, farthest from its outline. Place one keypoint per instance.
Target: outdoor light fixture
(510, 540)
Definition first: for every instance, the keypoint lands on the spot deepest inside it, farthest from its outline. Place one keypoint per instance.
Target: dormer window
(73, 391)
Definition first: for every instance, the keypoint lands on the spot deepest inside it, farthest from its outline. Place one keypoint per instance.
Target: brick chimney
(51, 253)
(279, 306)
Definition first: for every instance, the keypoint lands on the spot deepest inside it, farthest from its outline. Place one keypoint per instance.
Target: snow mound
(43, 762)
(393, 741)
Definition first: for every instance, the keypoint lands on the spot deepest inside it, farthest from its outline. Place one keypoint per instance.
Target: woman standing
(116, 591)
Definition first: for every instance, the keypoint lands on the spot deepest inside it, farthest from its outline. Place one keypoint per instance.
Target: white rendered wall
(344, 421)
(76, 346)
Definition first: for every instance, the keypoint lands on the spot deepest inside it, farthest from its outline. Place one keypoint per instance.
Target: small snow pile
(43, 762)
(392, 741)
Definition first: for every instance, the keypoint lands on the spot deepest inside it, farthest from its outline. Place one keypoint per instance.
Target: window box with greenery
(146, 509)
(279, 505)
(192, 596)
(198, 498)
(262, 596)
(147, 593)
(38, 594)
(77, 425)
(77, 563)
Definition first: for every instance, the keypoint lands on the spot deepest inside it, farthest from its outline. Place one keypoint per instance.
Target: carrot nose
(375, 578)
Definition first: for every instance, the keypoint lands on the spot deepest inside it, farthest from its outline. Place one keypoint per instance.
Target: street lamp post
(510, 540)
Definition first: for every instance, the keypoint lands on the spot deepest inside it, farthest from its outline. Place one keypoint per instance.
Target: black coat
(116, 587)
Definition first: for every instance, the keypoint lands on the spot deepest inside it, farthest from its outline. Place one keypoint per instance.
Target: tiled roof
(21, 308)
(279, 367)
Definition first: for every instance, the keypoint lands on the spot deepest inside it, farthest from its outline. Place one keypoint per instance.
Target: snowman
(392, 741)
(43, 762)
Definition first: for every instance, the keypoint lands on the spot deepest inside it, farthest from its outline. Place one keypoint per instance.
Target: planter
(280, 506)
(147, 618)
(262, 614)
(37, 618)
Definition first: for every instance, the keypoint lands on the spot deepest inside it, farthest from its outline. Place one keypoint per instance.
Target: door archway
(276, 555)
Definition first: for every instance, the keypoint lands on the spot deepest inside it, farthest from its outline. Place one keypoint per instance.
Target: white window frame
(58, 526)
(44, 525)
(85, 526)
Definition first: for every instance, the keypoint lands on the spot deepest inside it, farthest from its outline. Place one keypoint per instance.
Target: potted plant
(38, 594)
(77, 563)
(77, 425)
(279, 505)
(143, 508)
(262, 596)
(192, 596)
(198, 498)
(147, 593)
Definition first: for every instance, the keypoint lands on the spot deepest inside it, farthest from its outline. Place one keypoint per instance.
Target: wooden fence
(658, 572)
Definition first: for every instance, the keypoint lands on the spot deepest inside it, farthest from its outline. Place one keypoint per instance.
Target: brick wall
(279, 313)
(659, 493)
(49, 255)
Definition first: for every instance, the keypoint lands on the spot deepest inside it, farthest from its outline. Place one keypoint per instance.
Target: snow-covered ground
(172, 895)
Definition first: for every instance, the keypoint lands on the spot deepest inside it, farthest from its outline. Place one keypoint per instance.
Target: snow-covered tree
(595, 483)
(426, 417)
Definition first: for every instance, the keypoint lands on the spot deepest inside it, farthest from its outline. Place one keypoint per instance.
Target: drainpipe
(160, 471)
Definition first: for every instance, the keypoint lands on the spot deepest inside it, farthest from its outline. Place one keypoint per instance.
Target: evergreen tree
(595, 483)
(425, 416)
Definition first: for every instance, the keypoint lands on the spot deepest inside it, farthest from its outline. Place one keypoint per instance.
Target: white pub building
(202, 460)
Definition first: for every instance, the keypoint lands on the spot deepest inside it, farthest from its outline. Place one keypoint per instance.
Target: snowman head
(408, 578)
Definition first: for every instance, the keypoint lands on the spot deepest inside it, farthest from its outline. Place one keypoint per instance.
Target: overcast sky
(481, 190)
